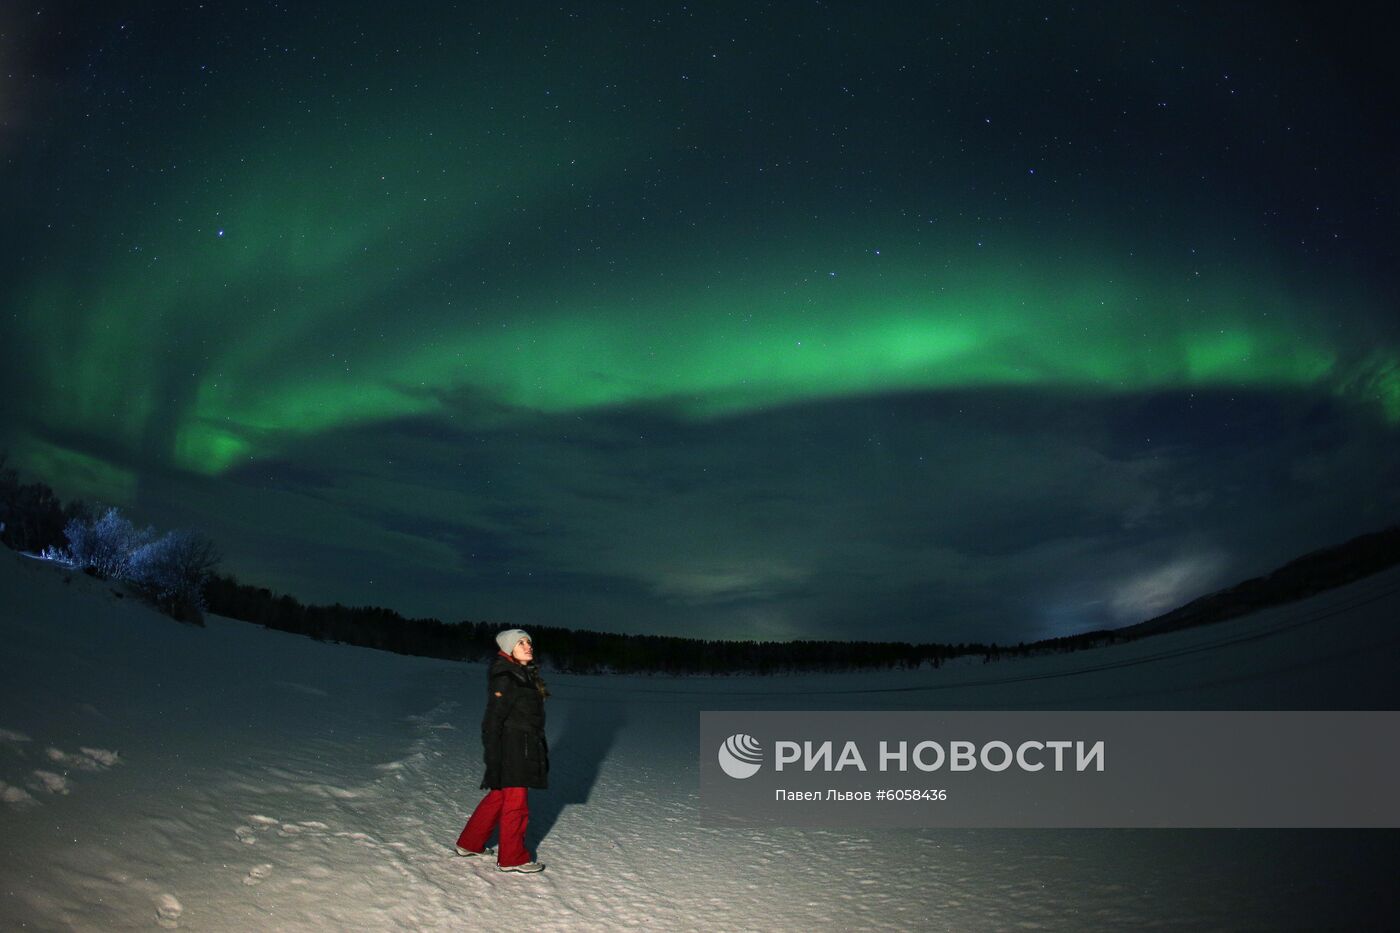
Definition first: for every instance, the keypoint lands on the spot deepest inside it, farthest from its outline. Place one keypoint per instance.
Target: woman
(517, 756)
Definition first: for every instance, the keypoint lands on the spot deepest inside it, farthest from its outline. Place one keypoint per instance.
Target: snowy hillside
(233, 778)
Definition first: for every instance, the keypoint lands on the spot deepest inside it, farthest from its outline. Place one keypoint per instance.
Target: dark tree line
(565, 649)
(586, 651)
(33, 519)
(367, 626)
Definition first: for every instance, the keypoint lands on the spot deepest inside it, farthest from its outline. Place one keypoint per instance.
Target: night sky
(956, 321)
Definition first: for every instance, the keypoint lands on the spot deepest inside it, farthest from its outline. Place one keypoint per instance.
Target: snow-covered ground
(232, 778)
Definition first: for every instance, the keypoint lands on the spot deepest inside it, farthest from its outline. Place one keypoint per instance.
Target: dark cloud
(1000, 517)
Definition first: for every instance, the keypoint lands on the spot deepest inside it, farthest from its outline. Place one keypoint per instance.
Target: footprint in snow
(168, 911)
(86, 759)
(53, 783)
(248, 834)
(302, 688)
(15, 796)
(257, 874)
(14, 740)
(359, 839)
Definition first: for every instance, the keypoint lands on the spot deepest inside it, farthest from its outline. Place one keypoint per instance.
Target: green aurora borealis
(914, 316)
(235, 250)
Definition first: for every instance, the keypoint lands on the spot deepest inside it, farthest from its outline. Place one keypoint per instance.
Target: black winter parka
(512, 731)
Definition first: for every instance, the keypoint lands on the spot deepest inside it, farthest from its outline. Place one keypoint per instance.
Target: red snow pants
(508, 807)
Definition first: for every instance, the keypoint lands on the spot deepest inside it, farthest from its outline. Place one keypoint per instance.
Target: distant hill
(1298, 579)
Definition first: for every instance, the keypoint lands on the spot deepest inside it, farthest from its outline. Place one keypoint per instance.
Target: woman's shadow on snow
(575, 758)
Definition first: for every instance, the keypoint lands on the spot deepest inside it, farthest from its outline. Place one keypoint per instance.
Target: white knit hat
(511, 637)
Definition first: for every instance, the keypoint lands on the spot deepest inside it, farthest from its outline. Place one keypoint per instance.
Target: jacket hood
(526, 674)
(505, 663)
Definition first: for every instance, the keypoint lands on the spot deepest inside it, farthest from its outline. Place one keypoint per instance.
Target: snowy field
(155, 775)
